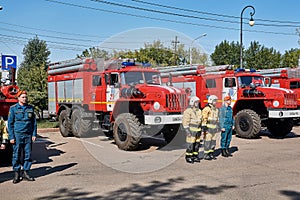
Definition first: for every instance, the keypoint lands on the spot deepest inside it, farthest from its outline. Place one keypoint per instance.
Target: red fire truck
(254, 105)
(283, 78)
(8, 91)
(124, 99)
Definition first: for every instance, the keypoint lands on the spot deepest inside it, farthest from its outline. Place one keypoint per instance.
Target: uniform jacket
(226, 117)
(191, 117)
(3, 132)
(210, 115)
(21, 120)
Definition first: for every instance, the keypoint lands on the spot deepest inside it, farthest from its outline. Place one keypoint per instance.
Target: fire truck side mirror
(268, 81)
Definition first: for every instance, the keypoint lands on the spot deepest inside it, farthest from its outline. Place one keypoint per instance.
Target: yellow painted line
(98, 102)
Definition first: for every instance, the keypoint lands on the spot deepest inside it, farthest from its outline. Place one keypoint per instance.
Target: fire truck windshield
(134, 77)
(247, 80)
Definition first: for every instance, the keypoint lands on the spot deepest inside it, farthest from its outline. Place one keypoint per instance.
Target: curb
(45, 130)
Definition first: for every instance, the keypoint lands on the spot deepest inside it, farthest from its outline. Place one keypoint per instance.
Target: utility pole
(175, 42)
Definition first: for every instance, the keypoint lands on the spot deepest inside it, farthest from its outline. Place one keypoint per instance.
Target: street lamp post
(251, 23)
(203, 35)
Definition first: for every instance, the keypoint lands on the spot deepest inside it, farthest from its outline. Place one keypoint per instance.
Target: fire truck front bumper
(162, 119)
(284, 113)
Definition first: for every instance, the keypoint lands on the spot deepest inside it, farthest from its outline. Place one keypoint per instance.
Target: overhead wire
(167, 20)
(214, 14)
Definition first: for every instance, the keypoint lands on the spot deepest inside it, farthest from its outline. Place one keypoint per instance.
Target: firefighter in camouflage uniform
(3, 134)
(210, 121)
(191, 122)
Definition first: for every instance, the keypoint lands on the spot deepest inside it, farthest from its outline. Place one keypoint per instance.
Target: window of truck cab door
(230, 88)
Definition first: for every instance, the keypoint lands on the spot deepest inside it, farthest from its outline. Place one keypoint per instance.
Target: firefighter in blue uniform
(22, 131)
(226, 125)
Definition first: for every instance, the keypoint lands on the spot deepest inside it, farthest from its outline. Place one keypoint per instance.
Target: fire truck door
(230, 88)
(112, 90)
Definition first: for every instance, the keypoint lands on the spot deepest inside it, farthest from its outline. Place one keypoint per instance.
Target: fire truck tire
(280, 127)
(64, 124)
(80, 127)
(170, 131)
(247, 124)
(127, 131)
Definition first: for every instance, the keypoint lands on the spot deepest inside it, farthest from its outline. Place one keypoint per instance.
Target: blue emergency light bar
(125, 64)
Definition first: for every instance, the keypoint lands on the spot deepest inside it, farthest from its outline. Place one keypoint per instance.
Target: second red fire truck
(254, 105)
(125, 99)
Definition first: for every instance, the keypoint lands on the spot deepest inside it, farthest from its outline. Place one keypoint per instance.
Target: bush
(46, 123)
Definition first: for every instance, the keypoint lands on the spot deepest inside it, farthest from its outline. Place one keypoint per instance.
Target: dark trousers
(226, 137)
(23, 143)
(193, 143)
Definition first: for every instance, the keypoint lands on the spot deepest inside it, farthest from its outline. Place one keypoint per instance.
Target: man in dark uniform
(22, 131)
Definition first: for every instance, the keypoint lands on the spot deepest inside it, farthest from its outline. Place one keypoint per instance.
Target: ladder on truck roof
(289, 72)
(192, 70)
(75, 65)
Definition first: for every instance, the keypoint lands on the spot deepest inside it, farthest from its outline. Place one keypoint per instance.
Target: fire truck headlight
(157, 120)
(156, 105)
(275, 103)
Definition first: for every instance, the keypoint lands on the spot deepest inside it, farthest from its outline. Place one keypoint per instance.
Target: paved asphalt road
(94, 168)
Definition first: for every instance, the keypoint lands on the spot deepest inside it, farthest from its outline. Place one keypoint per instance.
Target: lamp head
(1, 7)
(251, 22)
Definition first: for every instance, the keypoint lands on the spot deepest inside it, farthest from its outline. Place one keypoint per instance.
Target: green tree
(260, 57)
(198, 57)
(291, 58)
(226, 54)
(94, 52)
(32, 74)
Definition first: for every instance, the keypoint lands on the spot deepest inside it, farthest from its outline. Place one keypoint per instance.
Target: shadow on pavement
(293, 195)
(43, 149)
(37, 172)
(152, 190)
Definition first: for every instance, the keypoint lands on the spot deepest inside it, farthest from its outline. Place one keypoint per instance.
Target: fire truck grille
(176, 101)
(290, 99)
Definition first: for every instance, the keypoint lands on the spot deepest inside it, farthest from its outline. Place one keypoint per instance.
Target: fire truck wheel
(247, 124)
(80, 127)
(127, 131)
(64, 124)
(170, 131)
(280, 127)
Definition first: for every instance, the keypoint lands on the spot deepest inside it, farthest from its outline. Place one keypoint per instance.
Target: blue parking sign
(9, 61)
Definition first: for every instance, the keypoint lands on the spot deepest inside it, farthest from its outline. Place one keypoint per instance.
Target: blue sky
(70, 26)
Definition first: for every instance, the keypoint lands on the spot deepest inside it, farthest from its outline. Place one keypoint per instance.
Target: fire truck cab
(124, 99)
(254, 104)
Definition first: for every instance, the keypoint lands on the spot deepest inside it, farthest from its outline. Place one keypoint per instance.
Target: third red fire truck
(254, 105)
(283, 78)
(124, 99)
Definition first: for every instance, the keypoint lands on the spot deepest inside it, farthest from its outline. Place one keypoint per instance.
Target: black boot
(207, 156)
(27, 177)
(228, 153)
(212, 156)
(17, 177)
(196, 158)
(189, 159)
(224, 154)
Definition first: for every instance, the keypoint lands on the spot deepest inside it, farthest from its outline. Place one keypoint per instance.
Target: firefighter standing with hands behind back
(226, 125)
(22, 131)
(210, 127)
(191, 122)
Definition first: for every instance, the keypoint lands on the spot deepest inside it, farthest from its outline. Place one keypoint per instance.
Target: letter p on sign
(8, 62)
